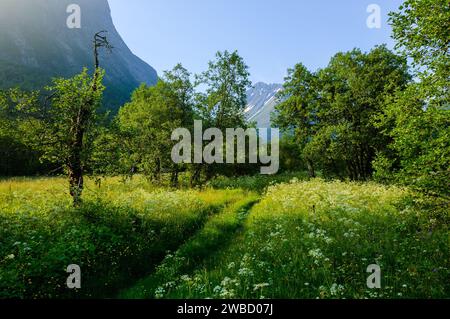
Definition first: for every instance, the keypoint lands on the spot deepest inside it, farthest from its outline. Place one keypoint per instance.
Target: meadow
(252, 237)
(121, 232)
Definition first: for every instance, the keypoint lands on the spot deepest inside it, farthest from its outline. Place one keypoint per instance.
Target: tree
(65, 128)
(331, 112)
(227, 82)
(421, 29)
(147, 122)
(16, 157)
(69, 126)
(418, 119)
(419, 154)
(296, 113)
(179, 79)
(223, 104)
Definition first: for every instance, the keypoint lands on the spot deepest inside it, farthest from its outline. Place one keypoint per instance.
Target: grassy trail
(217, 234)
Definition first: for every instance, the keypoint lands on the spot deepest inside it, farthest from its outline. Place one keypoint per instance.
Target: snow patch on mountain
(261, 102)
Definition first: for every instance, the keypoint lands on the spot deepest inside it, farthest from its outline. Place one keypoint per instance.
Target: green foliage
(72, 101)
(421, 29)
(17, 157)
(145, 125)
(331, 112)
(222, 106)
(419, 155)
(290, 155)
(226, 81)
(255, 183)
(417, 120)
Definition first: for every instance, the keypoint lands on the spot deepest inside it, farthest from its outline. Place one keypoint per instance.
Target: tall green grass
(316, 239)
(119, 234)
(302, 239)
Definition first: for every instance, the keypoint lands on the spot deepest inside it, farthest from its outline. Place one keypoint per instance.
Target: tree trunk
(196, 176)
(174, 178)
(75, 169)
(75, 165)
(311, 170)
(157, 171)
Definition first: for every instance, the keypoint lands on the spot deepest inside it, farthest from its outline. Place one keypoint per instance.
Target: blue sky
(272, 36)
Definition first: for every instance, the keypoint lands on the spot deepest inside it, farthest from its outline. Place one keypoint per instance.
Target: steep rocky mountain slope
(36, 45)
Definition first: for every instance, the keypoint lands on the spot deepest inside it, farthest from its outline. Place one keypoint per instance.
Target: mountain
(261, 102)
(36, 45)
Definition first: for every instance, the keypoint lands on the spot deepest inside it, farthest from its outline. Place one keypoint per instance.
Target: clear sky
(271, 35)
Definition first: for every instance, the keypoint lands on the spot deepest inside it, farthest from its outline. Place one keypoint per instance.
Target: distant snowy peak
(261, 102)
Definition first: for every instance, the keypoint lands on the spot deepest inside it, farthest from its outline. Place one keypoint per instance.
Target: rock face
(36, 45)
(262, 101)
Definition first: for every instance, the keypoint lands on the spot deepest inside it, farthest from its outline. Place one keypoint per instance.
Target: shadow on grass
(112, 245)
(217, 234)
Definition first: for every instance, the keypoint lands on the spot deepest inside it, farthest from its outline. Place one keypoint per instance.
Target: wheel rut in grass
(216, 235)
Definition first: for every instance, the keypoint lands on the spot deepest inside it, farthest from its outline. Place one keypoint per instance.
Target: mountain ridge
(261, 102)
(37, 45)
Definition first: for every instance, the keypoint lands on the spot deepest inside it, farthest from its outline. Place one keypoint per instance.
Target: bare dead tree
(100, 41)
(81, 123)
